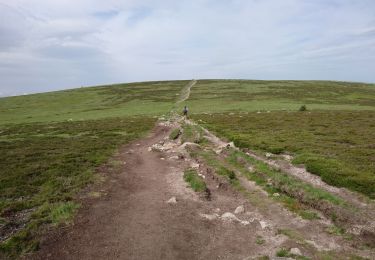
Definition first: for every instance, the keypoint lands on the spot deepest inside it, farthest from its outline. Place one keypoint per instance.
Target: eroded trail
(134, 221)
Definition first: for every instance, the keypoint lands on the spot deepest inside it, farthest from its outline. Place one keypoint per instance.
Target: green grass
(45, 165)
(175, 134)
(337, 145)
(213, 96)
(147, 98)
(282, 253)
(195, 181)
(192, 133)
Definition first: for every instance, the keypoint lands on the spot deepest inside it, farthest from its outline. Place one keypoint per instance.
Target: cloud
(46, 45)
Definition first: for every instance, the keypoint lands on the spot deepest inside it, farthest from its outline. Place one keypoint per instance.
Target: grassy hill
(52, 143)
(151, 99)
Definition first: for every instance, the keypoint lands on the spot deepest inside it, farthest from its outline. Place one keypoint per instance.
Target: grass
(336, 145)
(175, 134)
(213, 96)
(192, 133)
(45, 165)
(334, 138)
(283, 253)
(146, 98)
(195, 181)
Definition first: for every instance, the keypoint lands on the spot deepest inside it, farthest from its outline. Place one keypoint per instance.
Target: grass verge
(195, 181)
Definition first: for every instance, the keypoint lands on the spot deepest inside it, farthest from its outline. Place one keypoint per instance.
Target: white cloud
(47, 45)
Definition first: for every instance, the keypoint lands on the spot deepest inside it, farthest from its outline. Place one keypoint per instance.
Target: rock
(209, 216)
(295, 251)
(217, 210)
(149, 149)
(174, 157)
(239, 210)
(276, 194)
(162, 158)
(268, 155)
(287, 157)
(218, 151)
(230, 145)
(194, 165)
(168, 146)
(250, 168)
(157, 147)
(172, 200)
(263, 224)
(188, 144)
(230, 217)
(201, 175)
(356, 229)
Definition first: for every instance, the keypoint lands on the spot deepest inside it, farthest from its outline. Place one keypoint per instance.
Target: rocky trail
(146, 210)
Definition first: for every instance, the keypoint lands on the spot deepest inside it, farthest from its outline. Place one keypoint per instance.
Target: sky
(60, 44)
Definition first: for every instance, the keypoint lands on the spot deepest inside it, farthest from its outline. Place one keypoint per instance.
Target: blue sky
(50, 45)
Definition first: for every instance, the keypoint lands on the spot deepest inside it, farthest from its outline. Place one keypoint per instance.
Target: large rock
(239, 210)
(263, 224)
(295, 251)
(194, 165)
(228, 216)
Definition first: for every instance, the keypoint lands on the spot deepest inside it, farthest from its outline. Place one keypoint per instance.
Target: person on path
(185, 111)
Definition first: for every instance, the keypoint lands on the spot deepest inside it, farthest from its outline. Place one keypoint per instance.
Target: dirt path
(185, 93)
(133, 221)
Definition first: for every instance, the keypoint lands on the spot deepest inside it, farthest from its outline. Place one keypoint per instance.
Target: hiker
(185, 111)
